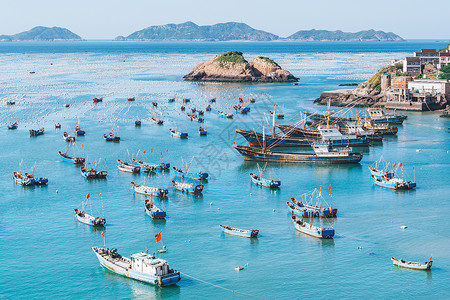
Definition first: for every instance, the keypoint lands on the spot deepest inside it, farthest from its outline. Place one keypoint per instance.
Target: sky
(106, 19)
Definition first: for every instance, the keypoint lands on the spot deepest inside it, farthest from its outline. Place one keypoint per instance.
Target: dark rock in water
(233, 67)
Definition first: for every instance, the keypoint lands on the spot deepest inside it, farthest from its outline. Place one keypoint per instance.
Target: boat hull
(412, 265)
(240, 232)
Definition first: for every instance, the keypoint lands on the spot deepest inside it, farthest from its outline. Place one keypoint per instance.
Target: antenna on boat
(32, 174)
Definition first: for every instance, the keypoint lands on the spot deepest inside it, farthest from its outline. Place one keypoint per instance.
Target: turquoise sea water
(45, 253)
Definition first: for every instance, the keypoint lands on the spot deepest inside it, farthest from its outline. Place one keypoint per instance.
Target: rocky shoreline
(233, 67)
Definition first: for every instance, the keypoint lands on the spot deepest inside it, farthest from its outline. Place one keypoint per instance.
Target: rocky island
(341, 36)
(233, 67)
(41, 33)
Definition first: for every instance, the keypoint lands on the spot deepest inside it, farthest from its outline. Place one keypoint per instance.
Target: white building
(433, 87)
(412, 65)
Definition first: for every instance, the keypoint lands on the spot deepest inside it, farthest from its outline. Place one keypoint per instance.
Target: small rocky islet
(233, 67)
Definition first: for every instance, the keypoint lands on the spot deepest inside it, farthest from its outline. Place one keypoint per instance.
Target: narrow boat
(175, 133)
(185, 174)
(127, 167)
(149, 191)
(72, 160)
(325, 156)
(67, 137)
(142, 266)
(309, 229)
(258, 180)
(202, 131)
(22, 179)
(58, 125)
(111, 137)
(13, 125)
(37, 181)
(153, 211)
(96, 100)
(137, 123)
(240, 232)
(34, 132)
(412, 265)
(131, 99)
(188, 187)
(171, 100)
(79, 131)
(158, 121)
(87, 219)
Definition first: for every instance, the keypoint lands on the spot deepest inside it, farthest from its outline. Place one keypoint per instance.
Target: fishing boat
(225, 115)
(200, 120)
(186, 100)
(252, 100)
(58, 125)
(186, 174)
(79, 131)
(193, 109)
(241, 110)
(175, 133)
(393, 183)
(111, 137)
(377, 115)
(141, 266)
(34, 132)
(309, 229)
(183, 108)
(386, 176)
(240, 232)
(186, 187)
(208, 108)
(67, 137)
(96, 100)
(127, 167)
(325, 156)
(87, 219)
(200, 112)
(161, 166)
(155, 104)
(149, 191)
(22, 179)
(158, 121)
(72, 160)
(93, 173)
(314, 205)
(13, 125)
(202, 131)
(171, 100)
(137, 123)
(38, 180)
(213, 100)
(280, 116)
(153, 211)
(131, 99)
(258, 180)
(145, 167)
(10, 102)
(412, 265)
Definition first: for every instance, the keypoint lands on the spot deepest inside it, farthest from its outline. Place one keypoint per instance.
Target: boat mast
(264, 139)
(273, 120)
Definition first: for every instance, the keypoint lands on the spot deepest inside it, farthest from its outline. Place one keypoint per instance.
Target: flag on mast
(158, 236)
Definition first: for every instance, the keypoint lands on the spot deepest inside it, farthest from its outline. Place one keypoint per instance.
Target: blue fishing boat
(377, 115)
(201, 120)
(131, 99)
(240, 232)
(241, 110)
(186, 100)
(309, 229)
(186, 187)
(315, 205)
(208, 108)
(171, 100)
(258, 180)
(145, 167)
(72, 160)
(153, 211)
(79, 131)
(96, 100)
(37, 180)
(197, 176)
(213, 100)
(202, 131)
(225, 115)
(10, 102)
(158, 121)
(137, 123)
(22, 179)
(385, 176)
(38, 132)
(13, 126)
(181, 135)
(393, 183)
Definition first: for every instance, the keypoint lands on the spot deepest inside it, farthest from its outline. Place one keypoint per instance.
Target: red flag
(167, 150)
(158, 236)
(401, 164)
(103, 234)
(82, 145)
(145, 151)
(329, 187)
(151, 150)
(95, 161)
(161, 153)
(413, 167)
(163, 171)
(157, 176)
(395, 163)
(88, 195)
(100, 194)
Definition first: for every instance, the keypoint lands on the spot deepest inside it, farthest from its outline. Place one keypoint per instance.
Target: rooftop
(412, 58)
(428, 50)
(444, 54)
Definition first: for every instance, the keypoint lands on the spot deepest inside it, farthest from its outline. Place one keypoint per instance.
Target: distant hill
(41, 33)
(192, 32)
(338, 35)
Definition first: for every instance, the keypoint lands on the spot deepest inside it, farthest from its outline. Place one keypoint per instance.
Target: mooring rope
(224, 288)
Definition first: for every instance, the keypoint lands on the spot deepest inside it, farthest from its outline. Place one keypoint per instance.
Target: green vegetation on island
(338, 35)
(445, 72)
(232, 57)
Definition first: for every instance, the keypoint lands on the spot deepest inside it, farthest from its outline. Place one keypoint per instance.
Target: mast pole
(273, 121)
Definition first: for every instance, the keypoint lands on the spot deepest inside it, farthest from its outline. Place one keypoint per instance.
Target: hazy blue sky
(94, 19)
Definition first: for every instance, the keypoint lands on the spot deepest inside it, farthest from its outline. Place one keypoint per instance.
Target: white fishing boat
(141, 266)
(22, 179)
(89, 219)
(412, 265)
(149, 191)
(67, 137)
(188, 187)
(127, 168)
(240, 232)
(309, 229)
(153, 211)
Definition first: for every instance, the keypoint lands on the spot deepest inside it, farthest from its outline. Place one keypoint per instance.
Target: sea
(46, 254)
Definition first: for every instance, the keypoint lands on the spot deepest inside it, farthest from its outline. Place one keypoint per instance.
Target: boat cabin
(148, 264)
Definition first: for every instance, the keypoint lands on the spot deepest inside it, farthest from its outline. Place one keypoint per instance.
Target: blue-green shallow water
(45, 253)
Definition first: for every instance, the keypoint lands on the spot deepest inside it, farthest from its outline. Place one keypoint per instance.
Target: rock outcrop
(233, 67)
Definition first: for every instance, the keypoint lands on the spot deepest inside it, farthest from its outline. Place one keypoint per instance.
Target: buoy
(359, 247)
(275, 192)
(274, 210)
(250, 194)
(210, 203)
(189, 241)
(391, 221)
(57, 191)
(218, 208)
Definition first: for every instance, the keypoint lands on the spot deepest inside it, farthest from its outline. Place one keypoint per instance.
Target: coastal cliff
(233, 67)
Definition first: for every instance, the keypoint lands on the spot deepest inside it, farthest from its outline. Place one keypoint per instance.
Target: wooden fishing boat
(137, 123)
(186, 100)
(412, 265)
(131, 99)
(258, 180)
(87, 219)
(58, 125)
(200, 112)
(185, 174)
(37, 181)
(181, 135)
(22, 179)
(202, 131)
(153, 211)
(34, 132)
(208, 108)
(10, 102)
(252, 100)
(307, 209)
(171, 100)
(377, 115)
(111, 137)
(96, 100)
(79, 131)
(161, 166)
(240, 232)
(309, 229)
(183, 108)
(188, 187)
(67, 137)
(213, 100)
(158, 121)
(149, 191)
(13, 125)
(331, 156)
(141, 266)
(72, 160)
(127, 167)
(225, 115)
(93, 173)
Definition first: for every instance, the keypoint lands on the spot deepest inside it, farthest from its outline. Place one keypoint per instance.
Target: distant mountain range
(189, 31)
(41, 33)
